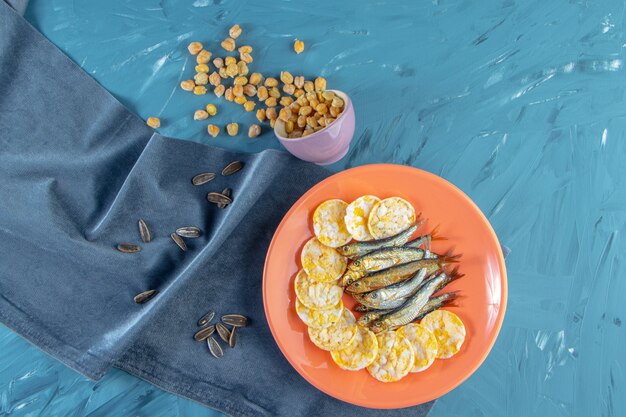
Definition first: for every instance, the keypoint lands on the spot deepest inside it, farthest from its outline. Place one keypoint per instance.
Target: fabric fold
(77, 171)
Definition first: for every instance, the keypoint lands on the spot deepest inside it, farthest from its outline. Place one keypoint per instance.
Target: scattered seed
(232, 340)
(214, 347)
(217, 198)
(223, 332)
(142, 297)
(206, 318)
(188, 231)
(179, 241)
(204, 333)
(227, 192)
(128, 247)
(202, 178)
(231, 168)
(236, 320)
(144, 232)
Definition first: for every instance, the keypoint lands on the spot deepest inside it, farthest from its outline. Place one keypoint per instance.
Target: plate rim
(501, 264)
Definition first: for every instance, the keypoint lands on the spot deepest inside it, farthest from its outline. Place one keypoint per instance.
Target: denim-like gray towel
(77, 170)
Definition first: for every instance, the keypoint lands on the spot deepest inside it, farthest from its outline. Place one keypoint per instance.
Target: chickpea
(200, 115)
(234, 31)
(194, 48)
(254, 131)
(153, 122)
(213, 130)
(232, 129)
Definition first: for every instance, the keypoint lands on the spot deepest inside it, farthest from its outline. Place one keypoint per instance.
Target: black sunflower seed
(204, 333)
(214, 347)
(202, 178)
(142, 297)
(228, 193)
(223, 332)
(236, 320)
(206, 318)
(217, 198)
(179, 241)
(232, 340)
(128, 247)
(188, 231)
(144, 232)
(231, 168)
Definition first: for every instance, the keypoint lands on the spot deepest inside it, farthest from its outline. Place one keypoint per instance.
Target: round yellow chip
(357, 214)
(360, 353)
(337, 336)
(390, 216)
(424, 345)
(448, 329)
(318, 319)
(317, 295)
(395, 358)
(321, 263)
(329, 224)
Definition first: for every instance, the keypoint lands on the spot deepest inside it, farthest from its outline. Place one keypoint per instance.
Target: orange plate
(483, 290)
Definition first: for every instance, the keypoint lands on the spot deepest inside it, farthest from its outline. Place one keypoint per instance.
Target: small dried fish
(236, 320)
(128, 247)
(228, 193)
(232, 340)
(142, 297)
(356, 249)
(231, 168)
(179, 241)
(223, 332)
(144, 232)
(203, 178)
(188, 231)
(217, 198)
(214, 347)
(206, 318)
(204, 333)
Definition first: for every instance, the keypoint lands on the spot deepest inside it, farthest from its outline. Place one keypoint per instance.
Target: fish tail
(449, 258)
(419, 221)
(454, 275)
(434, 234)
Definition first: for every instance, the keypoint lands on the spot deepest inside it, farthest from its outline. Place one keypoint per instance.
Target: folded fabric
(77, 171)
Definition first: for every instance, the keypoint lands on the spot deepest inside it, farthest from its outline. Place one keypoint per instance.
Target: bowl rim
(348, 105)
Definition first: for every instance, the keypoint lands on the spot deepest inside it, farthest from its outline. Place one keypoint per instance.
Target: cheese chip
(329, 224)
(360, 353)
(390, 216)
(395, 358)
(318, 319)
(321, 263)
(448, 329)
(317, 295)
(357, 214)
(424, 345)
(338, 336)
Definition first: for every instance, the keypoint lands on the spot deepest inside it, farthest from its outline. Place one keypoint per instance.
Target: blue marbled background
(519, 103)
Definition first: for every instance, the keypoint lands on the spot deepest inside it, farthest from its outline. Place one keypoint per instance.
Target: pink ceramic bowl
(326, 146)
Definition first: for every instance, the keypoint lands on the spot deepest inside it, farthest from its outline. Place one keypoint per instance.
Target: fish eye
(357, 262)
(374, 296)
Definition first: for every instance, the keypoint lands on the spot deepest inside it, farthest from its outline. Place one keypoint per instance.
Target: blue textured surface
(520, 104)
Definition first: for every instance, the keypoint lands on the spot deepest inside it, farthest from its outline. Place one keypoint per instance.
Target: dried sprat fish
(232, 340)
(188, 231)
(179, 241)
(236, 320)
(203, 178)
(204, 333)
(144, 232)
(214, 347)
(142, 297)
(218, 198)
(128, 247)
(231, 168)
(228, 193)
(206, 318)
(223, 332)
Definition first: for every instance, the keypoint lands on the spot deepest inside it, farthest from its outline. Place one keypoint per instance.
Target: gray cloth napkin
(77, 170)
